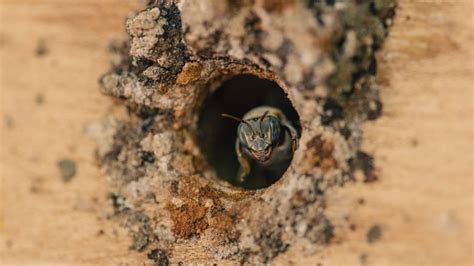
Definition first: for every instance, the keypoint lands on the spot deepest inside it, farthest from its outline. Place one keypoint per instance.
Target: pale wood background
(423, 144)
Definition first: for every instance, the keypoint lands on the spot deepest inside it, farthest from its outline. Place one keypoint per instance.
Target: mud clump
(143, 235)
(374, 233)
(41, 48)
(39, 99)
(195, 207)
(189, 219)
(67, 168)
(322, 55)
(320, 154)
(365, 163)
(159, 256)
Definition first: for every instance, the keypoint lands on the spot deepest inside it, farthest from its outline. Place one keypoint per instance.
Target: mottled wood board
(423, 144)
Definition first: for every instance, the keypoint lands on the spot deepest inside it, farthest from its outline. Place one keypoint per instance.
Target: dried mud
(320, 53)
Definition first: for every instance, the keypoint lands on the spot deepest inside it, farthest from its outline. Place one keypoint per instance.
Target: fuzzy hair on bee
(265, 136)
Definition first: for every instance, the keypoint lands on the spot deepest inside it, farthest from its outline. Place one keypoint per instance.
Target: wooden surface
(423, 144)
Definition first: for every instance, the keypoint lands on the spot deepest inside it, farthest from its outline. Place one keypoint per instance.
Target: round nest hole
(217, 135)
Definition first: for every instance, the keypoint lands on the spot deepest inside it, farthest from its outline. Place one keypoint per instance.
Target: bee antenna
(239, 120)
(261, 120)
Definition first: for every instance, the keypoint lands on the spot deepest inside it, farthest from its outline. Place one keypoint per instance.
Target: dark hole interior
(217, 134)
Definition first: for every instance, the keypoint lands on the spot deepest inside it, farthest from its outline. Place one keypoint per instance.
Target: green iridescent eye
(273, 128)
(245, 134)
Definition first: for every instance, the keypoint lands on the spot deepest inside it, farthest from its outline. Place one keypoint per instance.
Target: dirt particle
(374, 233)
(222, 222)
(41, 48)
(332, 111)
(67, 168)
(197, 207)
(37, 185)
(272, 245)
(9, 122)
(189, 219)
(119, 203)
(39, 99)
(327, 149)
(159, 256)
(101, 232)
(140, 241)
(365, 162)
(328, 231)
(9, 243)
(363, 259)
(276, 5)
(191, 72)
(320, 154)
(327, 164)
(353, 227)
(375, 110)
(142, 231)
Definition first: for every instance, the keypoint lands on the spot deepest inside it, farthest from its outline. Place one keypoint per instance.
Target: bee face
(259, 136)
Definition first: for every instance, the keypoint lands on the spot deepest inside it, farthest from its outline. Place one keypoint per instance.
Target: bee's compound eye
(245, 134)
(274, 129)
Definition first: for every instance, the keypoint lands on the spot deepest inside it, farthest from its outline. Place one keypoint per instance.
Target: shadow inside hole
(217, 134)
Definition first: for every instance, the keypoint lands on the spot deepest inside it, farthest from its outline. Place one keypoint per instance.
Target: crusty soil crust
(321, 55)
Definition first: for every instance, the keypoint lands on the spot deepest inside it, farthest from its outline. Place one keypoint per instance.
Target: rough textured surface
(422, 145)
(321, 54)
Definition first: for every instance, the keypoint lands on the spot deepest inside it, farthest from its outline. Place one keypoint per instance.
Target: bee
(265, 136)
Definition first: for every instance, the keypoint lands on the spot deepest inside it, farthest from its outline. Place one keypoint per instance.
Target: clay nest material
(164, 189)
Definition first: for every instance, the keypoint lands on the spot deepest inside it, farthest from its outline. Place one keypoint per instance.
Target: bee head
(259, 135)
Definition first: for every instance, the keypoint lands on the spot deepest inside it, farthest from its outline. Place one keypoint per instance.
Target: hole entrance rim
(217, 85)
